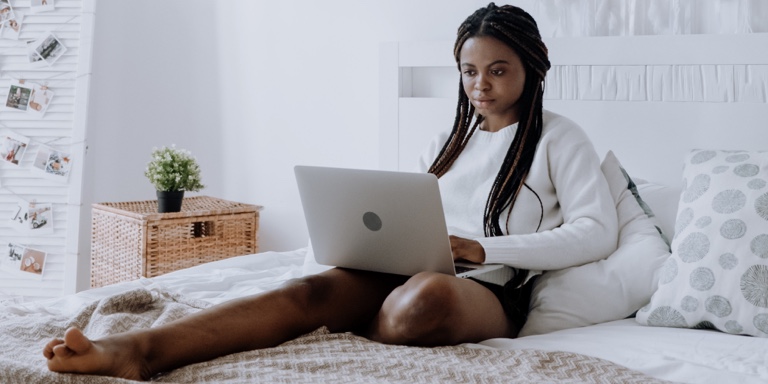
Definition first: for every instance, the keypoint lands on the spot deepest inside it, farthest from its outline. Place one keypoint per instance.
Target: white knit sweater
(578, 219)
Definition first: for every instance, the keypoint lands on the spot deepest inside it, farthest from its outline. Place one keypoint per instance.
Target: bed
(646, 104)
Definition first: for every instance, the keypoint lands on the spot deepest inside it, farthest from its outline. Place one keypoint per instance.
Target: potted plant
(173, 171)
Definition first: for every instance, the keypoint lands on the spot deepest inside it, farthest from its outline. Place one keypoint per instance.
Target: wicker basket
(130, 240)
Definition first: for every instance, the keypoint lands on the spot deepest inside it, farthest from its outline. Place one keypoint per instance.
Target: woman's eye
(497, 72)
(469, 73)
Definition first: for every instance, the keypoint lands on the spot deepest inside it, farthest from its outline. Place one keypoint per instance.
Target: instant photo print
(33, 261)
(6, 12)
(40, 99)
(35, 60)
(52, 164)
(23, 260)
(40, 218)
(12, 28)
(11, 260)
(49, 48)
(18, 98)
(12, 147)
(33, 218)
(20, 217)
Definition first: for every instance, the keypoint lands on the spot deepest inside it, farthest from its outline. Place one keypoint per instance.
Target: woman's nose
(480, 83)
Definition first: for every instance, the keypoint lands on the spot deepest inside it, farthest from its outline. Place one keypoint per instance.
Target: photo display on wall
(36, 147)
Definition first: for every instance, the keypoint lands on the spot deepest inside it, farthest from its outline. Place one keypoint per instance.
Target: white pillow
(609, 289)
(717, 276)
(662, 200)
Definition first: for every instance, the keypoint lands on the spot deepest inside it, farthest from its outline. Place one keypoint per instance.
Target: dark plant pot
(169, 201)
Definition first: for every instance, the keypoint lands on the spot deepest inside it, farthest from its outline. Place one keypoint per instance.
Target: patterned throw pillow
(717, 276)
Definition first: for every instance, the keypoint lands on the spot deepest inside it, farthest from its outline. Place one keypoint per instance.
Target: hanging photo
(20, 217)
(49, 48)
(18, 98)
(33, 218)
(12, 147)
(34, 58)
(11, 261)
(37, 6)
(12, 28)
(40, 218)
(32, 261)
(40, 99)
(52, 164)
(6, 12)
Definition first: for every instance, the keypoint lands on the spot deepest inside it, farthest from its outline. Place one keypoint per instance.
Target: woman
(521, 186)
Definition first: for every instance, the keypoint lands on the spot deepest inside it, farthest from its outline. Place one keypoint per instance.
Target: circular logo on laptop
(372, 221)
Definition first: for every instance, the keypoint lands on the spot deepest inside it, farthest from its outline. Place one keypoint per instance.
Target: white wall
(252, 88)
(300, 86)
(155, 82)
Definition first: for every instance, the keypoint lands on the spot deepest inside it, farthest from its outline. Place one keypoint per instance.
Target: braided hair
(518, 30)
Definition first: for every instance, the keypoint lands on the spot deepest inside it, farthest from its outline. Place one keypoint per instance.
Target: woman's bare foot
(117, 356)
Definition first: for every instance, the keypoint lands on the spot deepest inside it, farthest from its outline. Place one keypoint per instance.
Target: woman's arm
(589, 228)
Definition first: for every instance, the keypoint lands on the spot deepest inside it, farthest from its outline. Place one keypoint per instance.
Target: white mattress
(680, 355)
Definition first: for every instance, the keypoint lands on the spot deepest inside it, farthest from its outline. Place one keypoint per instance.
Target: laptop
(382, 221)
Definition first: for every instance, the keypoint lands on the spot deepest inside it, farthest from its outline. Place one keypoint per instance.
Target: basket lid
(192, 206)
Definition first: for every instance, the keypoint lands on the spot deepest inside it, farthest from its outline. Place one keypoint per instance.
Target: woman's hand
(466, 249)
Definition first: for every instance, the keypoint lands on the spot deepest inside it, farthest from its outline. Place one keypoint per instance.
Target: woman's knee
(419, 312)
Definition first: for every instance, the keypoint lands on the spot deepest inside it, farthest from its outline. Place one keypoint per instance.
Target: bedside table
(130, 240)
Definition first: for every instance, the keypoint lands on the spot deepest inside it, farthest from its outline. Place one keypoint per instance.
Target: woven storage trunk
(130, 240)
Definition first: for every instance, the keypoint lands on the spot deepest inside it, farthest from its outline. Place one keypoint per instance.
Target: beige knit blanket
(320, 357)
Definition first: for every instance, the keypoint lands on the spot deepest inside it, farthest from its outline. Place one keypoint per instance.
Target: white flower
(173, 169)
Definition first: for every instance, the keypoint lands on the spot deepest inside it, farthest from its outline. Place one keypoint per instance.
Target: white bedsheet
(680, 355)
(212, 282)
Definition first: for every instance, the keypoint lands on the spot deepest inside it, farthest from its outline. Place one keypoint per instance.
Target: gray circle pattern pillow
(717, 275)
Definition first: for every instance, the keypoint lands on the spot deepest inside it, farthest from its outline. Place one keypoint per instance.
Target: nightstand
(130, 240)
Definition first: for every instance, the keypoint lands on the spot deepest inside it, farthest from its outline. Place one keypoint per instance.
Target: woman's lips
(483, 103)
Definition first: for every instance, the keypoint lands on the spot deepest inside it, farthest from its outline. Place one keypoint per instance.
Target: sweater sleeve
(589, 229)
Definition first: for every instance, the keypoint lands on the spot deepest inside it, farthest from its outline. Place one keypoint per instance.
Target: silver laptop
(382, 221)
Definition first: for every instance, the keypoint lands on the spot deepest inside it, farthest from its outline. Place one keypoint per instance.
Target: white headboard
(649, 99)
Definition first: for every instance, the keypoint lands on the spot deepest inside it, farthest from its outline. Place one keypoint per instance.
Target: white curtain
(650, 17)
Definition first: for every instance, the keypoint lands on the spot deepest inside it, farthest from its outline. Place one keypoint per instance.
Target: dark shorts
(514, 299)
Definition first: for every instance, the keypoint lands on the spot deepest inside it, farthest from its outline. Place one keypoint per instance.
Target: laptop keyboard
(460, 269)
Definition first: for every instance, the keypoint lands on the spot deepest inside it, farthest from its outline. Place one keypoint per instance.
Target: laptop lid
(373, 220)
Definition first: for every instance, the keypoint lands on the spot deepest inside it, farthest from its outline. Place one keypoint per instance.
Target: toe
(48, 349)
(76, 341)
(62, 351)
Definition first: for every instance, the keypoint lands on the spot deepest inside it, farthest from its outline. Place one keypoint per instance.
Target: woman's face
(493, 77)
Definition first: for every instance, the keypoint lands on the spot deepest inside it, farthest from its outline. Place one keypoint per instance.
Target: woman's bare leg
(339, 299)
(435, 309)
